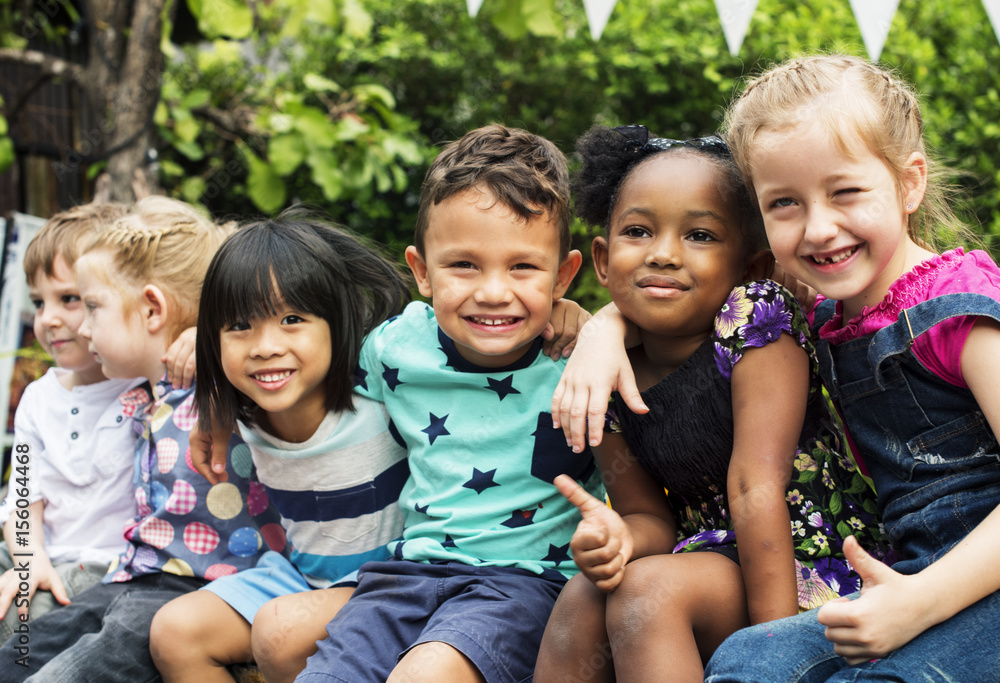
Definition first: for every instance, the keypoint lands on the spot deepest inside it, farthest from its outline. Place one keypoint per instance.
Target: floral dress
(686, 441)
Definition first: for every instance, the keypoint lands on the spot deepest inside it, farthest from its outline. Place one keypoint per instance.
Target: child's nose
(492, 289)
(267, 343)
(820, 225)
(664, 252)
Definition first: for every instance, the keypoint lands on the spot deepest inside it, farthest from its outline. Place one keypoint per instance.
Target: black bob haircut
(300, 261)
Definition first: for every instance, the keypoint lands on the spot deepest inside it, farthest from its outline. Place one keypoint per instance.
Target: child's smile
(673, 251)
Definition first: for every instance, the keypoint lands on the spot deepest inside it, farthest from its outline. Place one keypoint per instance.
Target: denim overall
(935, 464)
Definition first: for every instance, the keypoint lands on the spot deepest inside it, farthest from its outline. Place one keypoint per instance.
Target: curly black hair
(610, 155)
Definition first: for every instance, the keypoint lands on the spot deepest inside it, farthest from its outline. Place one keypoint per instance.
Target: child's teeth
(835, 259)
(491, 322)
(276, 377)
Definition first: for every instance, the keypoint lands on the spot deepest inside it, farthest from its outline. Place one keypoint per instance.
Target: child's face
(58, 315)
(114, 330)
(674, 250)
(281, 364)
(835, 218)
(492, 275)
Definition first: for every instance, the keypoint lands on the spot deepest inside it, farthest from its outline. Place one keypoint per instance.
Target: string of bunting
(874, 18)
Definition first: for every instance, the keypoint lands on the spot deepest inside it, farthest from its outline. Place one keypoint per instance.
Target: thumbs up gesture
(885, 617)
(602, 544)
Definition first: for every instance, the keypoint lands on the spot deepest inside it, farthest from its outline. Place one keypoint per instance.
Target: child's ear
(759, 267)
(914, 181)
(567, 271)
(419, 269)
(154, 309)
(599, 255)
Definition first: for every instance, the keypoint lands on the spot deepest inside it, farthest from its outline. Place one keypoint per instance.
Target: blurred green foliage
(350, 108)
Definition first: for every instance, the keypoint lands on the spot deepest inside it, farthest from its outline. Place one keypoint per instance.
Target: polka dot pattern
(166, 455)
(244, 542)
(224, 501)
(183, 499)
(274, 536)
(257, 500)
(141, 503)
(144, 560)
(178, 567)
(219, 570)
(241, 461)
(161, 416)
(156, 532)
(186, 416)
(200, 539)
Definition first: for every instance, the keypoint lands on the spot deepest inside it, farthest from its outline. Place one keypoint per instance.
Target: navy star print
(435, 428)
(449, 542)
(557, 554)
(481, 480)
(504, 387)
(421, 510)
(391, 377)
(360, 378)
(519, 518)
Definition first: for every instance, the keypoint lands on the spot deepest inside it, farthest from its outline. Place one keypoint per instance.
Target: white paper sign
(874, 19)
(993, 10)
(735, 16)
(473, 6)
(598, 13)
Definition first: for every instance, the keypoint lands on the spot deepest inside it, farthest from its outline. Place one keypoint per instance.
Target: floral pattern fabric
(690, 444)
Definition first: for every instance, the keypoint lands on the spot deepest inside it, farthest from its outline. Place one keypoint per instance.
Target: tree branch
(52, 67)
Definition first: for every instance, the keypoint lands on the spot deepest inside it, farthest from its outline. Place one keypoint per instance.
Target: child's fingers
(8, 588)
(57, 589)
(578, 496)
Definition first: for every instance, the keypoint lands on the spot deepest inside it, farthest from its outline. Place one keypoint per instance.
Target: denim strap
(914, 321)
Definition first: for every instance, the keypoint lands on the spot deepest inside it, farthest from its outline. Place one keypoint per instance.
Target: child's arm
(42, 574)
(179, 359)
(894, 608)
(641, 523)
(598, 367)
(208, 461)
(770, 387)
(564, 325)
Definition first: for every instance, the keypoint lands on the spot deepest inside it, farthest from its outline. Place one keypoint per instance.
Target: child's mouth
(836, 257)
(492, 322)
(271, 377)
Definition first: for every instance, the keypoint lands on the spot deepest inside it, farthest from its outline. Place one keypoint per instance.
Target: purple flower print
(836, 574)
(725, 359)
(770, 320)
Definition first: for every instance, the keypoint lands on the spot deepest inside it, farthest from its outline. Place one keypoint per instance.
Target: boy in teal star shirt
(485, 549)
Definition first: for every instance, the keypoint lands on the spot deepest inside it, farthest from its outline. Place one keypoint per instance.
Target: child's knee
(170, 634)
(269, 635)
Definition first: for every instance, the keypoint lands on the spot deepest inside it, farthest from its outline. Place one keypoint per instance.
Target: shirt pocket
(349, 513)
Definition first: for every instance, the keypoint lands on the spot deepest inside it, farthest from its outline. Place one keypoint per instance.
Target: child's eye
(70, 298)
(292, 319)
(524, 266)
(635, 231)
(239, 326)
(38, 304)
(848, 190)
(782, 202)
(90, 306)
(701, 236)
(461, 264)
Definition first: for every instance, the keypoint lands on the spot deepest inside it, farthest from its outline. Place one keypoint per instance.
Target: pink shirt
(940, 348)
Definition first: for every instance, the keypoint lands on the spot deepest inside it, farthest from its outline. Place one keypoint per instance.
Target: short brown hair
(523, 171)
(66, 234)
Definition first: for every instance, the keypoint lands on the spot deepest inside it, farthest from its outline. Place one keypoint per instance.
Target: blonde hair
(854, 100)
(66, 234)
(167, 243)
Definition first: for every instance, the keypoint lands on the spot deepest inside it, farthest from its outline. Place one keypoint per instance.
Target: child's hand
(209, 461)
(602, 544)
(885, 617)
(803, 292)
(564, 324)
(42, 575)
(599, 366)
(179, 359)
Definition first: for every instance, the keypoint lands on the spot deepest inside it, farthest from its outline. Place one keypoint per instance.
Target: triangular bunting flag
(993, 10)
(874, 19)
(473, 6)
(598, 13)
(735, 16)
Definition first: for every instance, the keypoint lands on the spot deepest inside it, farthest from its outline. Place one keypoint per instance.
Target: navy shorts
(495, 616)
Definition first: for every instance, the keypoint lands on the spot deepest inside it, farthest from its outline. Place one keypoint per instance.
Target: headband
(637, 138)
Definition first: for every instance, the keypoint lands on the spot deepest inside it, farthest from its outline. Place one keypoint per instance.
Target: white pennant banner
(598, 13)
(993, 10)
(874, 19)
(735, 16)
(473, 6)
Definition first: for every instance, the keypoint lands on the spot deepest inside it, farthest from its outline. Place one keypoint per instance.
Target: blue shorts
(273, 576)
(495, 616)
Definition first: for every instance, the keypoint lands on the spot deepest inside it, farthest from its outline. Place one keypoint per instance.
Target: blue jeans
(795, 650)
(102, 636)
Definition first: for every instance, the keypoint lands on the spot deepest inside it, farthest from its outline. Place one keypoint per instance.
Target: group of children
(358, 488)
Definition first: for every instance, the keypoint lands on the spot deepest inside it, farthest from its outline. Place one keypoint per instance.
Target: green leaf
(357, 22)
(373, 92)
(3, 126)
(836, 503)
(186, 128)
(286, 152)
(222, 18)
(321, 12)
(192, 189)
(319, 83)
(191, 150)
(326, 173)
(350, 128)
(509, 20)
(265, 187)
(6, 153)
(315, 127)
(541, 18)
(196, 98)
(171, 169)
